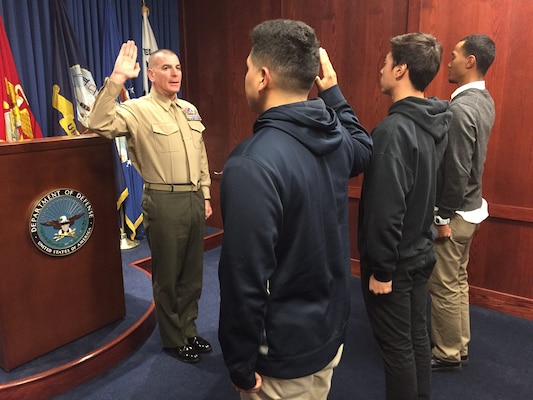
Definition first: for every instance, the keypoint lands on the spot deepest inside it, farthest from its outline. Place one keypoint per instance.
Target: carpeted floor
(501, 353)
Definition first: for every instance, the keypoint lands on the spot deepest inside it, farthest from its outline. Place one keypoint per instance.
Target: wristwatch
(441, 221)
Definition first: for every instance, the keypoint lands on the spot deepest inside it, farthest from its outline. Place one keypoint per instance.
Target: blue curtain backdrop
(27, 23)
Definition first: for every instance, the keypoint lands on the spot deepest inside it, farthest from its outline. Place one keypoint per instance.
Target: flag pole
(125, 242)
(149, 45)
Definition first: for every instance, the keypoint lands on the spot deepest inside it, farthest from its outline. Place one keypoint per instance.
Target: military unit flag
(19, 123)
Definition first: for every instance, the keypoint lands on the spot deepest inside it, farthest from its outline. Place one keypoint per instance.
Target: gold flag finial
(145, 9)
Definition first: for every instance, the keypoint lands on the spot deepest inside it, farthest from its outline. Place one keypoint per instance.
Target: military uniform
(166, 146)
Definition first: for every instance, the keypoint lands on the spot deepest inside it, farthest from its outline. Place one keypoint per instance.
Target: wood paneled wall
(215, 36)
(503, 248)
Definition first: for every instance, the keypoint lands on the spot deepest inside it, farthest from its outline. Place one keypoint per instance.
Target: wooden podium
(57, 285)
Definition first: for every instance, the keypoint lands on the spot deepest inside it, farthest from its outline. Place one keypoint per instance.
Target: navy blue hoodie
(398, 193)
(285, 260)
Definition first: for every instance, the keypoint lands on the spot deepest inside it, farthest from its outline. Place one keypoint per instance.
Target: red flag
(19, 122)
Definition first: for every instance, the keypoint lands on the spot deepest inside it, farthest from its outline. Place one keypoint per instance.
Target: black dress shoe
(199, 344)
(183, 353)
(442, 365)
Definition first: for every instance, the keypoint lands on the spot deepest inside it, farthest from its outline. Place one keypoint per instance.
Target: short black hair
(290, 49)
(483, 48)
(421, 52)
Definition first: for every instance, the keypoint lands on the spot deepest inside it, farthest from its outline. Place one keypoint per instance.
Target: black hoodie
(398, 193)
(285, 260)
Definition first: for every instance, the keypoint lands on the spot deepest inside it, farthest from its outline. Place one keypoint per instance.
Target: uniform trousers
(399, 324)
(174, 224)
(448, 286)
(311, 387)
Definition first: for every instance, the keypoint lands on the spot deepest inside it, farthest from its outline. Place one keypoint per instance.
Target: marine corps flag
(19, 122)
(73, 89)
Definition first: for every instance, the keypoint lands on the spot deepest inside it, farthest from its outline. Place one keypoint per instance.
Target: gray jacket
(459, 183)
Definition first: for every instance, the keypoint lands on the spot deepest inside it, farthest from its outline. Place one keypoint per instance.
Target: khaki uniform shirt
(164, 137)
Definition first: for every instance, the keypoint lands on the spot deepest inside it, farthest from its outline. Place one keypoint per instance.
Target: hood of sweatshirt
(317, 125)
(431, 114)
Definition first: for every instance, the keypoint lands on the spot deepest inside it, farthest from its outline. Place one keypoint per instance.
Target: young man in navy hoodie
(396, 214)
(285, 259)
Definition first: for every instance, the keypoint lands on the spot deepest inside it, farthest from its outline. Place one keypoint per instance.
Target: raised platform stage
(85, 358)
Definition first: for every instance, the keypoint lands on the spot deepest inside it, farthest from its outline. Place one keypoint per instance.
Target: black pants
(399, 323)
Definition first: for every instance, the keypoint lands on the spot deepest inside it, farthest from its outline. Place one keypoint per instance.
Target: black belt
(171, 187)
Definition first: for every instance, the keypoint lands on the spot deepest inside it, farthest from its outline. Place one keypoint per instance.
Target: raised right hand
(126, 65)
(329, 77)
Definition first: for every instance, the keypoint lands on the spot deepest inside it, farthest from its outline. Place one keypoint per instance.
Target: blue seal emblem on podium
(61, 222)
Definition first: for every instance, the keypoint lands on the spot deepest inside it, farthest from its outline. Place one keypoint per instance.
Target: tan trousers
(311, 387)
(448, 286)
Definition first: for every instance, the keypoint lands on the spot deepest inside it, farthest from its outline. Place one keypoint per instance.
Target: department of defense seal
(61, 222)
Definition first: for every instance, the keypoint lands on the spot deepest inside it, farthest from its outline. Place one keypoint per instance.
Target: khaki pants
(448, 286)
(311, 387)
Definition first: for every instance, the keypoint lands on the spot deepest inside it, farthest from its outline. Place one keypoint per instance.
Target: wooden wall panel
(508, 22)
(503, 248)
(215, 45)
(356, 35)
(501, 257)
